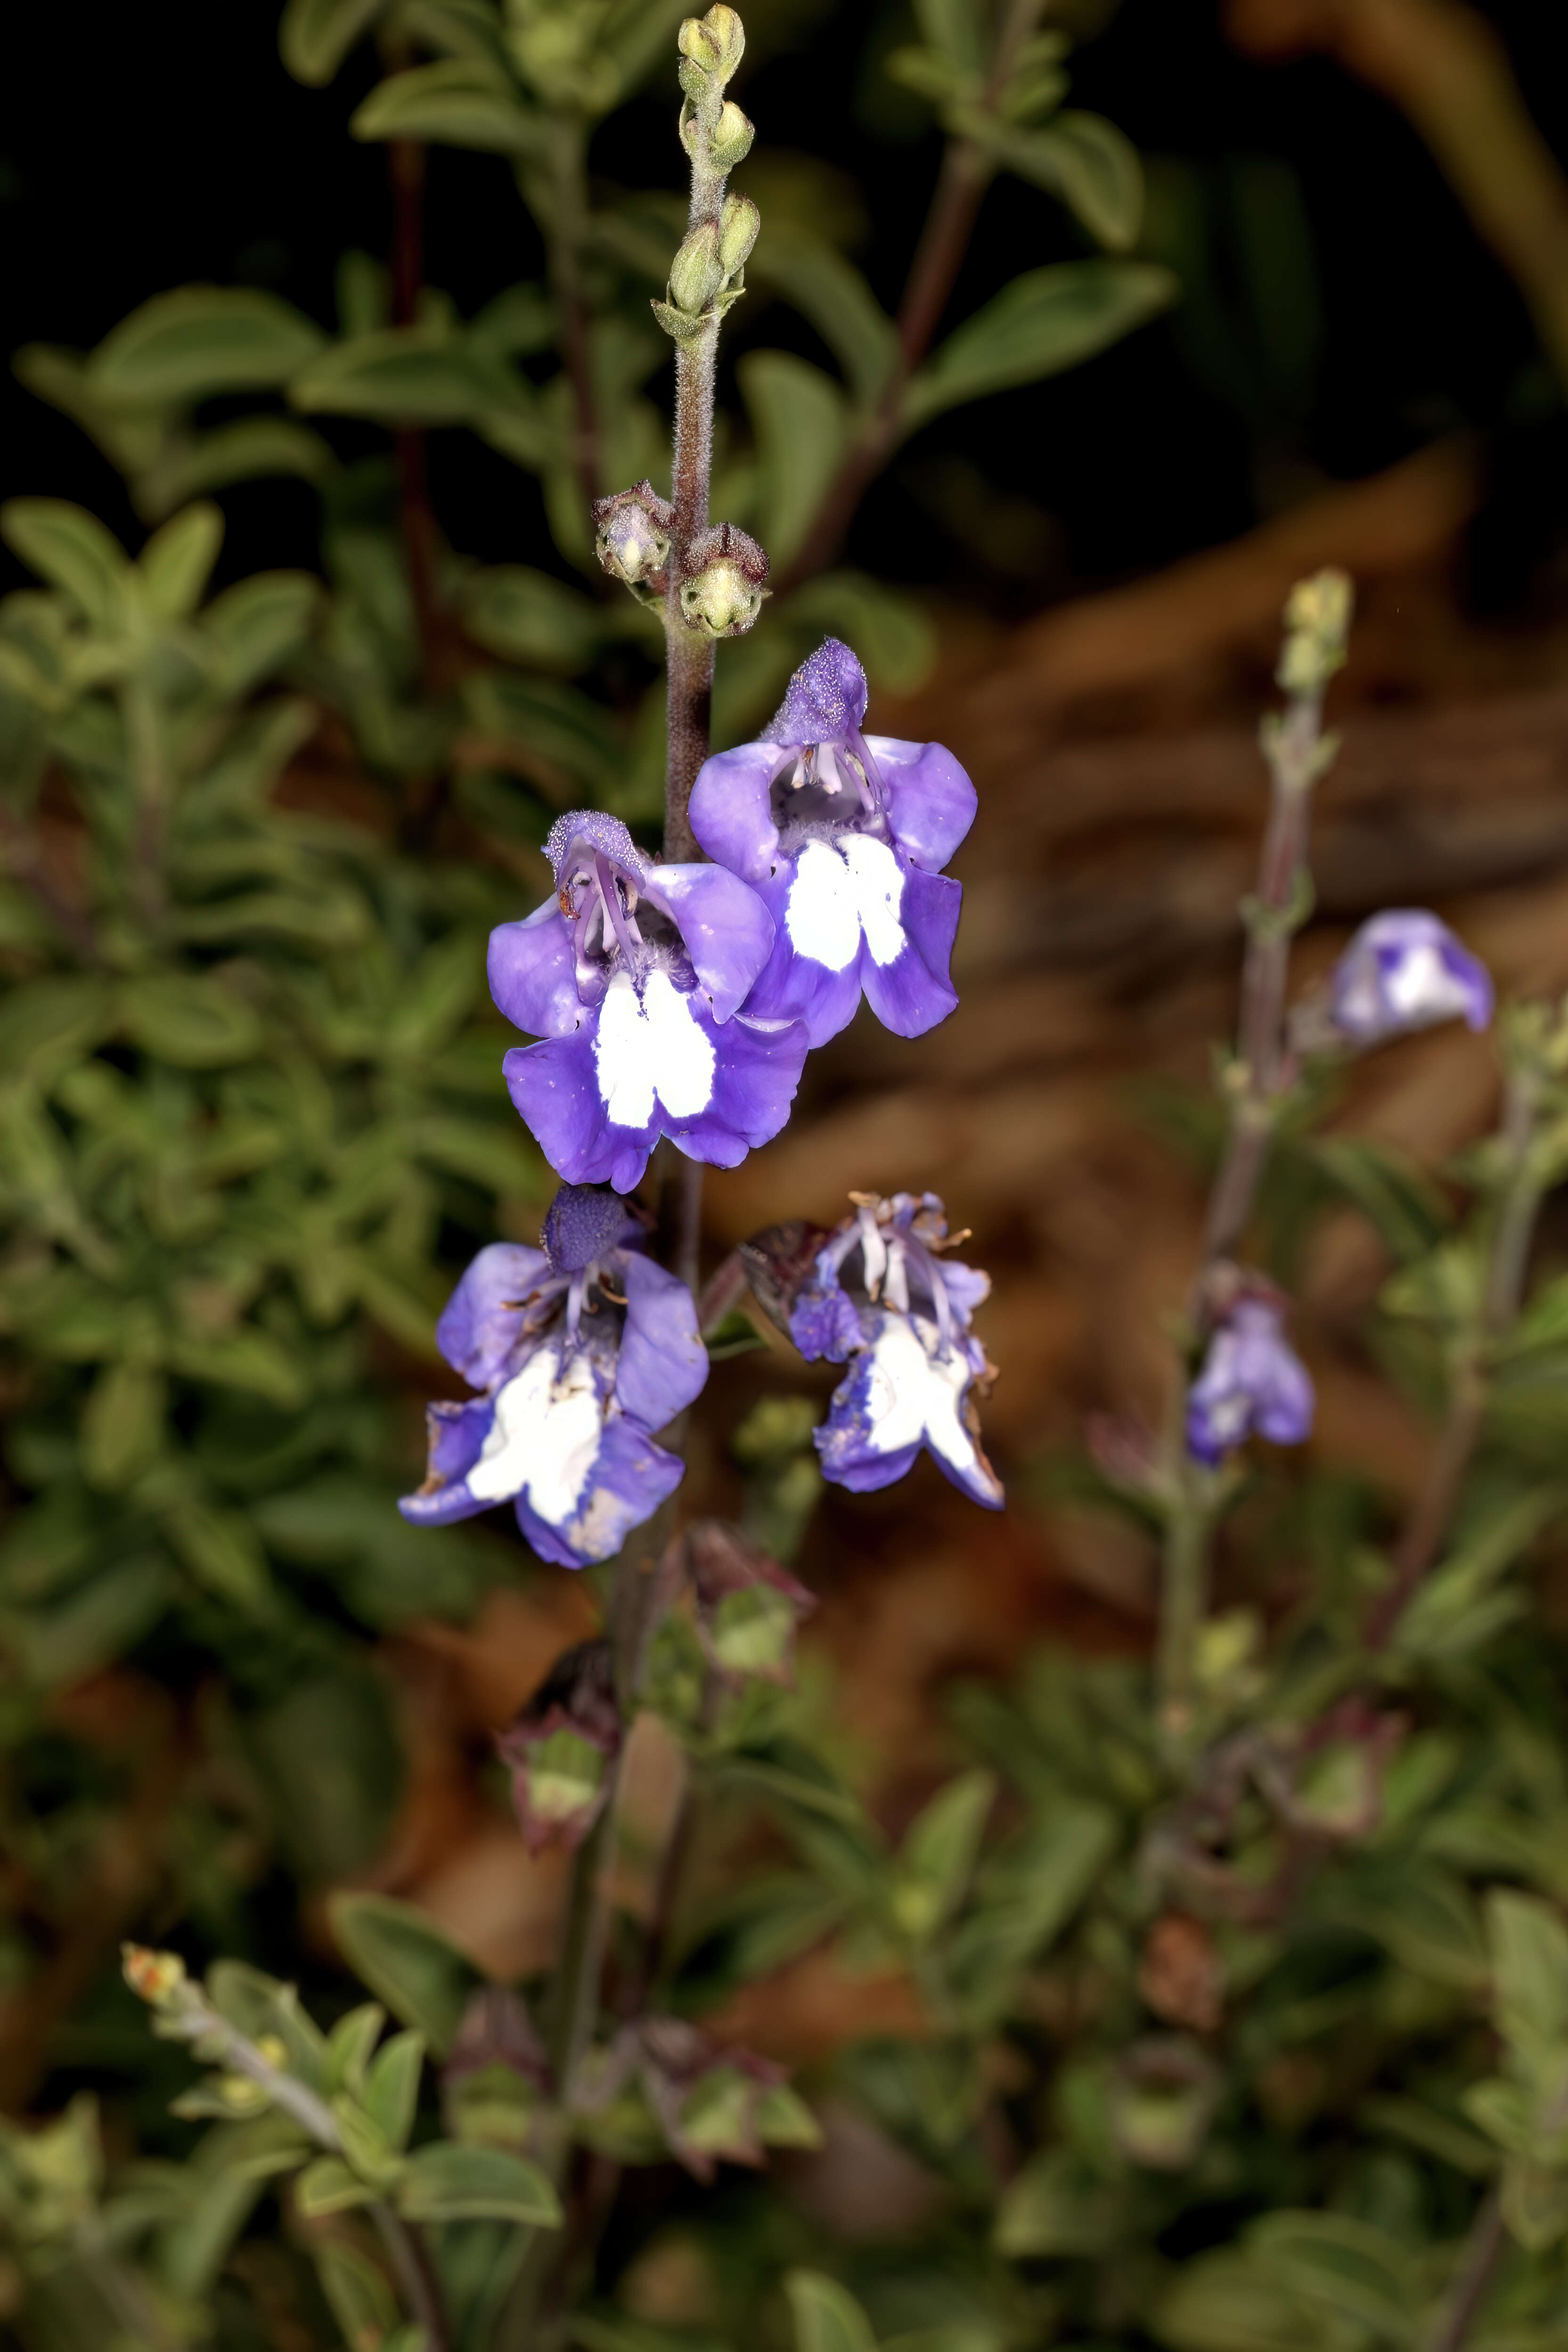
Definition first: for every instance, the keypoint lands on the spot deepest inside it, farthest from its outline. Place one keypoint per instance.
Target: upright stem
(1519, 1205)
(691, 654)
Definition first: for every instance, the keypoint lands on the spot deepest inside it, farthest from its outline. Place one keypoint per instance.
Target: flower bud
(495, 2072)
(722, 593)
(1163, 2098)
(716, 42)
(731, 143)
(737, 225)
(747, 1606)
(562, 1745)
(1317, 623)
(153, 1977)
(633, 527)
(697, 272)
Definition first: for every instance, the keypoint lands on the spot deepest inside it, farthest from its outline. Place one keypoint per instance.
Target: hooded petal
(727, 931)
(824, 1324)
(628, 1479)
(485, 1317)
(910, 993)
(732, 810)
(931, 801)
(663, 1363)
(532, 973)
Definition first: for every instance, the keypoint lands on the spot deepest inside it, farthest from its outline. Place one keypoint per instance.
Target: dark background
(141, 149)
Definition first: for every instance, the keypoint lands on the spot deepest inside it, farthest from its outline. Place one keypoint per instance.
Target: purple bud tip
(825, 699)
(605, 834)
(585, 1222)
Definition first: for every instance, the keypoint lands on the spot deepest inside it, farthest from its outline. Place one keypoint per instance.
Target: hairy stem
(1478, 2266)
(1518, 1206)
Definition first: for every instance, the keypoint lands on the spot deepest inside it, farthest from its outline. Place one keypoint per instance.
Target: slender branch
(966, 172)
(1477, 2265)
(1519, 1202)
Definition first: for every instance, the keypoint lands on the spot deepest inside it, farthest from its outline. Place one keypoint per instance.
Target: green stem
(1184, 1594)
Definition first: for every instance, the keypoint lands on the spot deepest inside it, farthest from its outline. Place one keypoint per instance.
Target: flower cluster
(582, 1349)
(883, 1298)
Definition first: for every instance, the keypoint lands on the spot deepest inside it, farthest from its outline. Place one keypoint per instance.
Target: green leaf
(261, 620)
(1057, 2207)
(1047, 321)
(123, 1425)
(103, 1621)
(1535, 2205)
(1428, 1920)
(832, 295)
(391, 2092)
(459, 102)
(408, 1963)
(526, 617)
(956, 29)
(248, 1360)
(827, 2316)
(1087, 162)
(177, 561)
(359, 2293)
(447, 2182)
(366, 2145)
(801, 421)
(316, 35)
(1528, 1948)
(196, 1023)
(222, 1553)
(411, 375)
(350, 2044)
(1230, 2302)
(201, 340)
(784, 2120)
(328, 2185)
(258, 2005)
(330, 1756)
(72, 550)
(1353, 2272)
(245, 451)
(939, 1853)
(1398, 1200)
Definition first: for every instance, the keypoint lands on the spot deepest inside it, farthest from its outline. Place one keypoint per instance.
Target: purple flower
(882, 1295)
(844, 836)
(633, 976)
(1403, 970)
(1251, 1381)
(583, 1348)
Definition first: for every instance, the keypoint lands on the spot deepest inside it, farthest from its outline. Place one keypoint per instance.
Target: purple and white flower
(583, 1350)
(1251, 1380)
(633, 977)
(1405, 970)
(844, 836)
(882, 1295)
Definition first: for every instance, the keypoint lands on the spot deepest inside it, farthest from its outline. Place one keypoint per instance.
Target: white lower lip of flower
(545, 1436)
(650, 1045)
(1421, 987)
(910, 1394)
(842, 893)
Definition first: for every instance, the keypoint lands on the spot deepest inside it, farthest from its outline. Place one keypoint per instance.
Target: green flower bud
(1317, 623)
(731, 141)
(716, 43)
(697, 273)
(633, 530)
(723, 593)
(738, 224)
(560, 1748)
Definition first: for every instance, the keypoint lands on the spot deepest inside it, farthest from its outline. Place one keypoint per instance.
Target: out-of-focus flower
(1405, 970)
(583, 1348)
(1251, 1380)
(633, 976)
(883, 1296)
(844, 836)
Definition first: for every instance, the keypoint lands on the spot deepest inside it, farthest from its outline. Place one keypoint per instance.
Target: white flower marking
(545, 1436)
(650, 1045)
(842, 893)
(1420, 987)
(912, 1394)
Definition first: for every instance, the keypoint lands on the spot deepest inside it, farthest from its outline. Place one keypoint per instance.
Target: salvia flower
(844, 836)
(633, 976)
(1403, 970)
(884, 1297)
(1251, 1380)
(582, 1349)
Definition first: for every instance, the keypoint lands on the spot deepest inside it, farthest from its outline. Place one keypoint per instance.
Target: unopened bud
(737, 225)
(562, 1745)
(697, 273)
(716, 42)
(1162, 2097)
(746, 1606)
(632, 534)
(731, 141)
(722, 593)
(1317, 623)
(153, 1977)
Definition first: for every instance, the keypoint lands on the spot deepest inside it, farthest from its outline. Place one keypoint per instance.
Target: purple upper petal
(824, 701)
(663, 1363)
(931, 801)
(824, 1323)
(606, 835)
(731, 809)
(483, 1320)
(533, 974)
(727, 931)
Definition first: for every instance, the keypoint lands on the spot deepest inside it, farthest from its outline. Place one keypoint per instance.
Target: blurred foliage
(1248, 2042)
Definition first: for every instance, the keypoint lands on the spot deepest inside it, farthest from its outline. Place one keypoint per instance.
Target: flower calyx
(561, 1747)
(496, 2073)
(746, 1607)
(708, 274)
(1317, 626)
(632, 532)
(724, 587)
